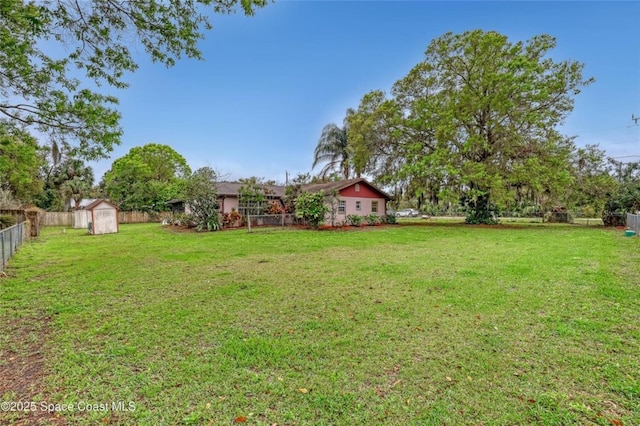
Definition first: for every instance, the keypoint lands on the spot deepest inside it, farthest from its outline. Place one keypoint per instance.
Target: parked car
(408, 213)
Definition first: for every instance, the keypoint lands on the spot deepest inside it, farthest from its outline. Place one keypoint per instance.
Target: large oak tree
(478, 117)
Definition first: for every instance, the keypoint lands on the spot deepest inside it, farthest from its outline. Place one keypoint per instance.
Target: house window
(358, 205)
(342, 208)
(374, 207)
(357, 187)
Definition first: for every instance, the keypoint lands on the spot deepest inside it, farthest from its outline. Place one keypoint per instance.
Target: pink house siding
(352, 192)
(228, 203)
(365, 207)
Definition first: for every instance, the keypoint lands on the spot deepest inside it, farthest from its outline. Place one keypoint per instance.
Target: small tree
(202, 198)
(311, 207)
(253, 197)
(293, 190)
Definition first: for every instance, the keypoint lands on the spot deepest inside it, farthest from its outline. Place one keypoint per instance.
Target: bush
(531, 211)
(212, 223)
(230, 218)
(589, 211)
(372, 219)
(354, 220)
(390, 219)
(480, 211)
(311, 207)
(183, 219)
(7, 221)
(275, 208)
(202, 199)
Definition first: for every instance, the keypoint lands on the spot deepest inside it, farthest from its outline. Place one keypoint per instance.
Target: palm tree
(75, 180)
(75, 189)
(333, 148)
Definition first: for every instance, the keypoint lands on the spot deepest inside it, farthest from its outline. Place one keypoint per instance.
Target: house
(231, 197)
(102, 217)
(354, 197)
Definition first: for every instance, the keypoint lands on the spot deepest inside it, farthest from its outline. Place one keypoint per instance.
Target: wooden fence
(18, 214)
(67, 218)
(58, 219)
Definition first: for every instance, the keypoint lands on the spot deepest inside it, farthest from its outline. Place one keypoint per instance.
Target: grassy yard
(424, 324)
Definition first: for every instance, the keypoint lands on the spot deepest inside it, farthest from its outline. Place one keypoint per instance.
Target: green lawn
(424, 324)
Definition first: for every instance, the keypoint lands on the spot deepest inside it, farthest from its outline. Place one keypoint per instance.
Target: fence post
(2, 239)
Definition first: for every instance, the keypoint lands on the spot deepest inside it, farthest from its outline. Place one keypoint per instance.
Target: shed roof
(99, 201)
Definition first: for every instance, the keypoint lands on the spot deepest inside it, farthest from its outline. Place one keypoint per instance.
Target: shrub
(212, 223)
(390, 219)
(354, 220)
(230, 218)
(183, 219)
(372, 219)
(202, 199)
(311, 207)
(7, 221)
(531, 211)
(275, 208)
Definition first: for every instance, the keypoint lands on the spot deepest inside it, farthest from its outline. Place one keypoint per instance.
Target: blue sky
(257, 104)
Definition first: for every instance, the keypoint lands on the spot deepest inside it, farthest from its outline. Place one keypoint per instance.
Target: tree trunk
(481, 211)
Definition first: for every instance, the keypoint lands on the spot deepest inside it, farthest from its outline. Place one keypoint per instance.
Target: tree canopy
(147, 177)
(475, 120)
(62, 94)
(20, 162)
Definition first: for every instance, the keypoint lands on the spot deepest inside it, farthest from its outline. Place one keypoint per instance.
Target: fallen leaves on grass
(240, 419)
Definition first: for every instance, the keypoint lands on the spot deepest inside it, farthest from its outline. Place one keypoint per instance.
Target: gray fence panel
(10, 239)
(633, 222)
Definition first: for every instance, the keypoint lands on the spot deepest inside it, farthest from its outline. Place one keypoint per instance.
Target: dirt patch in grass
(22, 372)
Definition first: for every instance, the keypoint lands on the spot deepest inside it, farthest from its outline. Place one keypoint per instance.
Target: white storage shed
(102, 217)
